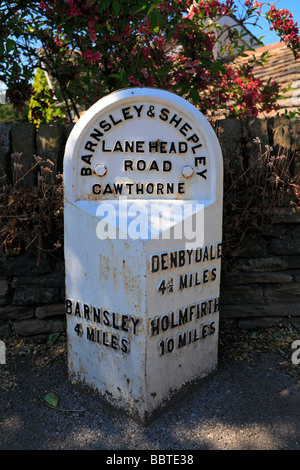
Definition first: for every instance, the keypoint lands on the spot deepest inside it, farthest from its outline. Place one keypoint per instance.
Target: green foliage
(9, 115)
(42, 106)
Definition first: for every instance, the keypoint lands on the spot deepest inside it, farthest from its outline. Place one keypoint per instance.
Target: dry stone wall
(261, 285)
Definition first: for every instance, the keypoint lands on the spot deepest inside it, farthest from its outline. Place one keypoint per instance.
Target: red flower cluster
(285, 26)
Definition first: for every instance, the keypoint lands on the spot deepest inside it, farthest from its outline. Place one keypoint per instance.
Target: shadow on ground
(252, 402)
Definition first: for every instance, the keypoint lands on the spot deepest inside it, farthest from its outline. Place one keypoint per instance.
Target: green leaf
(51, 398)
(116, 6)
(10, 44)
(156, 20)
(53, 337)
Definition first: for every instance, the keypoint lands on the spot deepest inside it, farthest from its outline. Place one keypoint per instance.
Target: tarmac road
(245, 405)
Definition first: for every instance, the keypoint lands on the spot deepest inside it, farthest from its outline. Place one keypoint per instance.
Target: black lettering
(200, 160)
(107, 189)
(86, 171)
(129, 146)
(68, 306)
(167, 165)
(153, 166)
(128, 164)
(154, 263)
(150, 188)
(164, 322)
(106, 126)
(181, 339)
(114, 324)
(170, 188)
(90, 333)
(104, 149)
(153, 146)
(183, 147)
(86, 311)
(181, 254)
(138, 110)
(96, 314)
(202, 173)
(154, 324)
(182, 281)
(181, 188)
(160, 187)
(141, 165)
(182, 317)
(183, 130)
(162, 146)
(173, 259)
(194, 138)
(106, 320)
(164, 264)
(104, 339)
(90, 146)
(126, 114)
(118, 147)
(87, 159)
(213, 274)
(139, 188)
(118, 187)
(77, 310)
(139, 146)
(114, 342)
(172, 148)
(115, 123)
(96, 135)
(173, 119)
(96, 189)
(164, 114)
(135, 322)
(125, 345)
(173, 324)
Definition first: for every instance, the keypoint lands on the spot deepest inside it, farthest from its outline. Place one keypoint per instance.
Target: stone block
(282, 293)
(289, 245)
(50, 310)
(48, 280)
(251, 247)
(35, 326)
(11, 312)
(255, 129)
(266, 264)
(285, 215)
(5, 150)
(283, 309)
(280, 135)
(243, 279)
(23, 141)
(50, 144)
(5, 330)
(35, 295)
(230, 133)
(241, 294)
(3, 290)
(23, 265)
